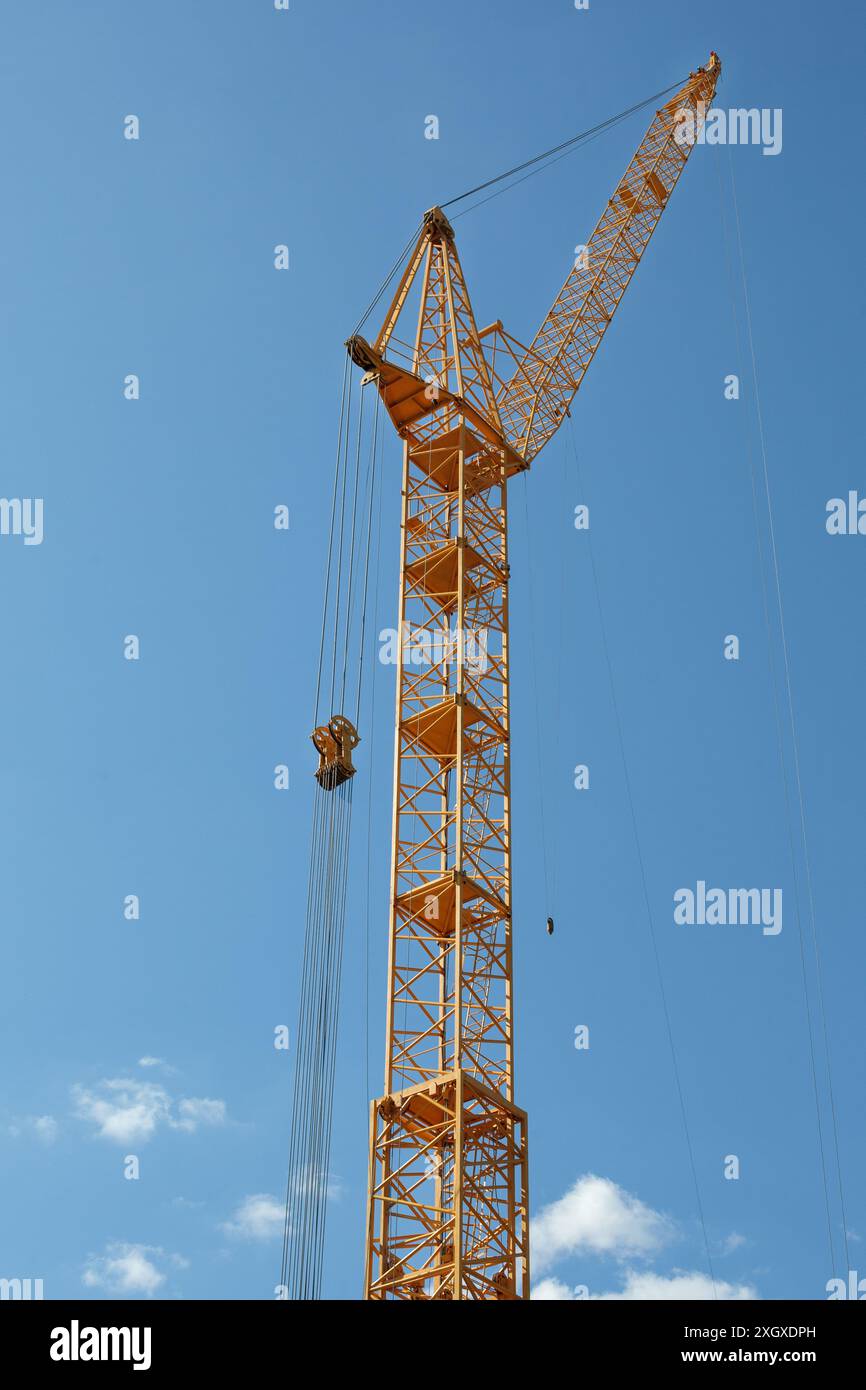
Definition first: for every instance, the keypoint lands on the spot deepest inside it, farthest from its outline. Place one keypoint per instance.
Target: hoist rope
(338, 584)
(331, 534)
(309, 1174)
(372, 491)
(327, 1041)
(531, 174)
(351, 566)
(304, 1168)
(787, 682)
(643, 877)
(388, 278)
(344, 611)
(565, 146)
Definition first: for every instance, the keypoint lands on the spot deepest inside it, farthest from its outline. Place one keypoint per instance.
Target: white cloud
(597, 1217)
(680, 1284)
(550, 1290)
(262, 1217)
(151, 1061)
(646, 1286)
(126, 1111)
(129, 1111)
(129, 1269)
(192, 1113)
(259, 1217)
(44, 1127)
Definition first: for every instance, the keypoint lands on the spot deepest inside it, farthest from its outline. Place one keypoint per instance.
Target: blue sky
(155, 777)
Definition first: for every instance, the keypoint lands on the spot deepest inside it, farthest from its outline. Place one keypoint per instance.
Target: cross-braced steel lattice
(448, 1188)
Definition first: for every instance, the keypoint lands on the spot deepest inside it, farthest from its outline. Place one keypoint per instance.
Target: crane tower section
(448, 1214)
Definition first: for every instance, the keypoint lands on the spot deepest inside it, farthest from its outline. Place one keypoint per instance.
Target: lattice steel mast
(448, 1186)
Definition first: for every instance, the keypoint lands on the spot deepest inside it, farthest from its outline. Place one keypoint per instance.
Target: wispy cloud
(42, 1127)
(323, 1184)
(123, 1268)
(732, 1242)
(193, 1113)
(259, 1217)
(128, 1111)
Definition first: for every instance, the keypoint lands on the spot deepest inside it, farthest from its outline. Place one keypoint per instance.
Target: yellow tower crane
(448, 1213)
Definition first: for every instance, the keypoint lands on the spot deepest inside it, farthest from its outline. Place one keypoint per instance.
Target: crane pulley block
(334, 743)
